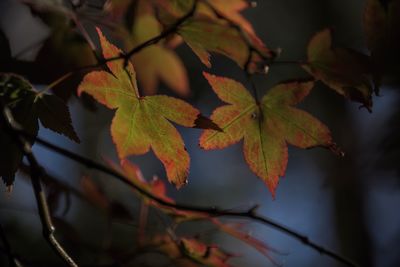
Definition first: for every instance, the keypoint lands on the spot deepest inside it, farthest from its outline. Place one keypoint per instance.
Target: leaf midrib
(247, 110)
(291, 121)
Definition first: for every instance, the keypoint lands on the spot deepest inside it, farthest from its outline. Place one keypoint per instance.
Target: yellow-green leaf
(157, 62)
(218, 27)
(265, 127)
(141, 123)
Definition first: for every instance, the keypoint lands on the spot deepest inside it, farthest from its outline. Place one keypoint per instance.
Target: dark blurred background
(349, 204)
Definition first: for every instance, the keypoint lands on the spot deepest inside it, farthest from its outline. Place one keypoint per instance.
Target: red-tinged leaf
(94, 193)
(231, 9)
(204, 35)
(237, 232)
(207, 255)
(141, 123)
(344, 70)
(156, 62)
(157, 188)
(191, 252)
(218, 27)
(266, 127)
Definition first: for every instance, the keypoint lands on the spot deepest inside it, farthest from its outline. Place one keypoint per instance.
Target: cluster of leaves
(143, 122)
(128, 82)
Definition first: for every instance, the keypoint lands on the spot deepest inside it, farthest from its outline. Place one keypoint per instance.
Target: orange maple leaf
(141, 123)
(266, 127)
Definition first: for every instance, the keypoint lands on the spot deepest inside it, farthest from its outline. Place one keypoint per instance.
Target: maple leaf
(157, 62)
(266, 127)
(141, 123)
(345, 71)
(187, 251)
(231, 9)
(206, 31)
(156, 187)
(54, 115)
(236, 231)
(28, 107)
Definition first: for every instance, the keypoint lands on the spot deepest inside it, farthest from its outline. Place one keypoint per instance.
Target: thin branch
(36, 171)
(126, 56)
(172, 29)
(12, 259)
(49, 180)
(209, 211)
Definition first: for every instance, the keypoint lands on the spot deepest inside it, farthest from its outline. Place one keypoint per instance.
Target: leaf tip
(100, 33)
(203, 122)
(272, 185)
(207, 75)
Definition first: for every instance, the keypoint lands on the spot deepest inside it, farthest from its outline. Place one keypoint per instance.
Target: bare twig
(12, 259)
(36, 171)
(208, 211)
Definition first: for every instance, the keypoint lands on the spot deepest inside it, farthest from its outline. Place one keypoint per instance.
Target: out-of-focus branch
(36, 171)
(250, 213)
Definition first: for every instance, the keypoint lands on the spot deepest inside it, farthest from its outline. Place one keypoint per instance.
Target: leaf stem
(55, 83)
